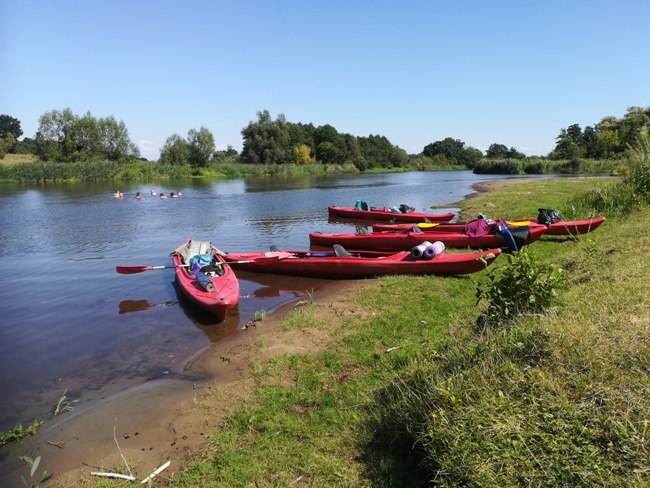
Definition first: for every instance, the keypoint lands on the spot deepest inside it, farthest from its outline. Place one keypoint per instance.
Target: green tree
(302, 154)
(10, 125)
(54, 135)
(496, 151)
(451, 149)
(115, 142)
(174, 151)
(63, 136)
(200, 146)
(6, 143)
(267, 141)
(514, 154)
(608, 142)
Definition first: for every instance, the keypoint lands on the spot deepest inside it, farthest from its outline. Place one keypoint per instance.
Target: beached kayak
(401, 241)
(385, 214)
(571, 227)
(215, 288)
(437, 226)
(342, 264)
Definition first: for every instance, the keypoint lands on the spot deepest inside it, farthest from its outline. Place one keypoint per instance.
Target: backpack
(547, 216)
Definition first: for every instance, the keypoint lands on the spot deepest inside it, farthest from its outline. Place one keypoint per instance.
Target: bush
(523, 286)
(501, 167)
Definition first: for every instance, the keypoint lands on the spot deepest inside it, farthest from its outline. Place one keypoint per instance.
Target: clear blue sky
(512, 72)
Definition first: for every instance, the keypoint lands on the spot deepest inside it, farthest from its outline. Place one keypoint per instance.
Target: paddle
(140, 269)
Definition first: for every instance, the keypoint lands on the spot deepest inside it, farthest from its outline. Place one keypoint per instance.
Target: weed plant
(19, 433)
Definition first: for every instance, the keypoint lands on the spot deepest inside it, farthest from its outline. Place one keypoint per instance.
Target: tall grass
(624, 197)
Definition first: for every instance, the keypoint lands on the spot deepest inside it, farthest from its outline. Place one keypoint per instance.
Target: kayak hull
(562, 228)
(363, 264)
(435, 227)
(396, 241)
(380, 215)
(219, 302)
(573, 228)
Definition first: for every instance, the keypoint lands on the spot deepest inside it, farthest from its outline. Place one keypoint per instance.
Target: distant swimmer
(172, 195)
(118, 194)
(178, 192)
(162, 195)
(153, 193)
(137, 196)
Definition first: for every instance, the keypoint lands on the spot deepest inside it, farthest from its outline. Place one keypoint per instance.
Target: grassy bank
(403, 389)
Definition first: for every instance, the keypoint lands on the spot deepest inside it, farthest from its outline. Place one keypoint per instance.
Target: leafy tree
(10, 125)
(174, 151)
(574, 132)
(496, 151)
(54, 134)
(514, 154)
(63, 136)
(607, 143)
(451, 149)
(6, 143)
(302, 154)
(200, 146)
(115, 142)
(26, 146)
(267, 141)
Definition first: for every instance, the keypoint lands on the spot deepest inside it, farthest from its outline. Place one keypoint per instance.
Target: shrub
(523, 286)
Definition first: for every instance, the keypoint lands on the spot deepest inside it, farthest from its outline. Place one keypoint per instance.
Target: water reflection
(128, 306)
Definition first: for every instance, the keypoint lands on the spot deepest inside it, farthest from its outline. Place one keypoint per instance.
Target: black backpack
(547, 216)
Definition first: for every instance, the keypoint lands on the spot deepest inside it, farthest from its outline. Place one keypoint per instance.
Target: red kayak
(571, 228)
(383, 214)
(363, 264)
(215, 290)
(438, 226)
(394, 241)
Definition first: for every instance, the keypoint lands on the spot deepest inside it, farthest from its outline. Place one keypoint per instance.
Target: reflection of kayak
(217, 299)
(378, 215)
(571, 228)
(364, 264)
(394, 241)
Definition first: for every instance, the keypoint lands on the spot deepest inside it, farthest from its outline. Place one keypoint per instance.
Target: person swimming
(162, 195)
(153, 193)
(172, 195)
(137, 195)
(118, 194)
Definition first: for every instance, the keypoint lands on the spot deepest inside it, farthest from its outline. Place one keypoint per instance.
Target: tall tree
(496, 151)
(200, 146)
(174, 151)
(10, 125)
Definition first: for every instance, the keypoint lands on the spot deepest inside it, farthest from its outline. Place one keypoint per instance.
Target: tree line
(63, 136)
(609, 138)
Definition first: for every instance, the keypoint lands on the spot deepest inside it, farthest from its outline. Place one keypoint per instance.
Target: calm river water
(70, 322)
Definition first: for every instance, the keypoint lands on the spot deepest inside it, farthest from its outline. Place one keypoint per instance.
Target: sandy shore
(165, 419)
(168, 419)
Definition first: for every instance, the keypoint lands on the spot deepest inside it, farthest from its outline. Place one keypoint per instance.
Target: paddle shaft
(140, 269)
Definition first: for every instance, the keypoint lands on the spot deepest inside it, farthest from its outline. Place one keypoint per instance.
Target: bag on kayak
(197, 262)
(361, 205)
(547, 216)
(404, 208)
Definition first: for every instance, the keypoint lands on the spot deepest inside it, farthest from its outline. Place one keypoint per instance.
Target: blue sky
(508, 72)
